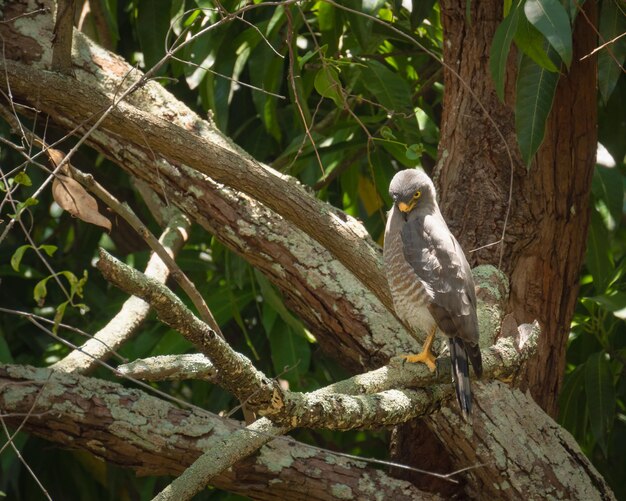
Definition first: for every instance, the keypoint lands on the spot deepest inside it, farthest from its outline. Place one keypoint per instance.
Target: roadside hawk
(430, 279)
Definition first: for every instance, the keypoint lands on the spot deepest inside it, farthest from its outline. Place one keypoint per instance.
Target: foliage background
(371, 100)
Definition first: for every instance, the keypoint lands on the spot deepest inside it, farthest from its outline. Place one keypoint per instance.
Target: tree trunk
(545, 239)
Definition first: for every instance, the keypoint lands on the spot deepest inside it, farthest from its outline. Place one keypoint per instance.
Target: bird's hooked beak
(406, 208)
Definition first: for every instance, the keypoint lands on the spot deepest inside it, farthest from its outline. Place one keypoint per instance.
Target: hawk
(430, 279)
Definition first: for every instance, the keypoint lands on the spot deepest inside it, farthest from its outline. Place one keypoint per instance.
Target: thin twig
(23, 461)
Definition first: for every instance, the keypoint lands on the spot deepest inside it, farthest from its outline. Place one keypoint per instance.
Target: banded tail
(459, 356)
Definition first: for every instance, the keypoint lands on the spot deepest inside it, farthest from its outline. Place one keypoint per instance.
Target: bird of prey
(430, 279)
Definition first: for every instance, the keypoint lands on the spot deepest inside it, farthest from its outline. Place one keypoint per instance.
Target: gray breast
(410, 298)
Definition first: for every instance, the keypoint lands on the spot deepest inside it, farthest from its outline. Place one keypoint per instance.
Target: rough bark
(132, 429)
(546, 233)
(512, 448)
(62, 40)
(519, 444)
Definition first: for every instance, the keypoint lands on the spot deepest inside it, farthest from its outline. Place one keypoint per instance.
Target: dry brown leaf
(75, 199)
(56, 156)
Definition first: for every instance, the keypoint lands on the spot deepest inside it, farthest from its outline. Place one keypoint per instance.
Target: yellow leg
(425, 356)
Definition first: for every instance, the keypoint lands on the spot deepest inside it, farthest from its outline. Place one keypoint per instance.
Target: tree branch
(132, 429)
(346, 317)
(62, 39)
(170, 367)
(324, 408)
(329, 226)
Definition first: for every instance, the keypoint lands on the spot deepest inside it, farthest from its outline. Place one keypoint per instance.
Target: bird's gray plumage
(429, 276)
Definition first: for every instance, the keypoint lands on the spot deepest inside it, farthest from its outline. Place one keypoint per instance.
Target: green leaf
(608, 187)
(615, 302)
(266, 72)
(274, 301)
(598, 257)
(361, 24)
(534, 96)
(387, 133)
(600, 397)
(49, 249)
(152, 27)
(291, 354)
(327, 84)
(76, 285)
(532, 43)
(202, 56)
(612, 24)
(40, 291)
(572, 409)
(72, 279)
(58, 316)
(415, 151)
(551, 19)
(500, 47)
(420, 11)
(17, 256)
(23, 179)
(389, 88)
(20, 206)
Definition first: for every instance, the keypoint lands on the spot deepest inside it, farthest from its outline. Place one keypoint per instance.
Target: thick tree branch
(221, 454)
(131, 429)
(62, 40)
(346, 317)
(331, 227)
(526, 454)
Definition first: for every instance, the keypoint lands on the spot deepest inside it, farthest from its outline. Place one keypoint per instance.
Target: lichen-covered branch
(332, 228)
(170, 367)
(389, 404)
(526, 454)
(129, 428)
(235, 372)
(221, 454)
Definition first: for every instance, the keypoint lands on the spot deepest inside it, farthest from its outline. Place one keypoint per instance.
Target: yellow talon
(425, 356)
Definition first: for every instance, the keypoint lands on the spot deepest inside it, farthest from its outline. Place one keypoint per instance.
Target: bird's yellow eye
(417, 195)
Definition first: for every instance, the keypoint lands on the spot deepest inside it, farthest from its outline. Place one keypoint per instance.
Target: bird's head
(410, 188)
